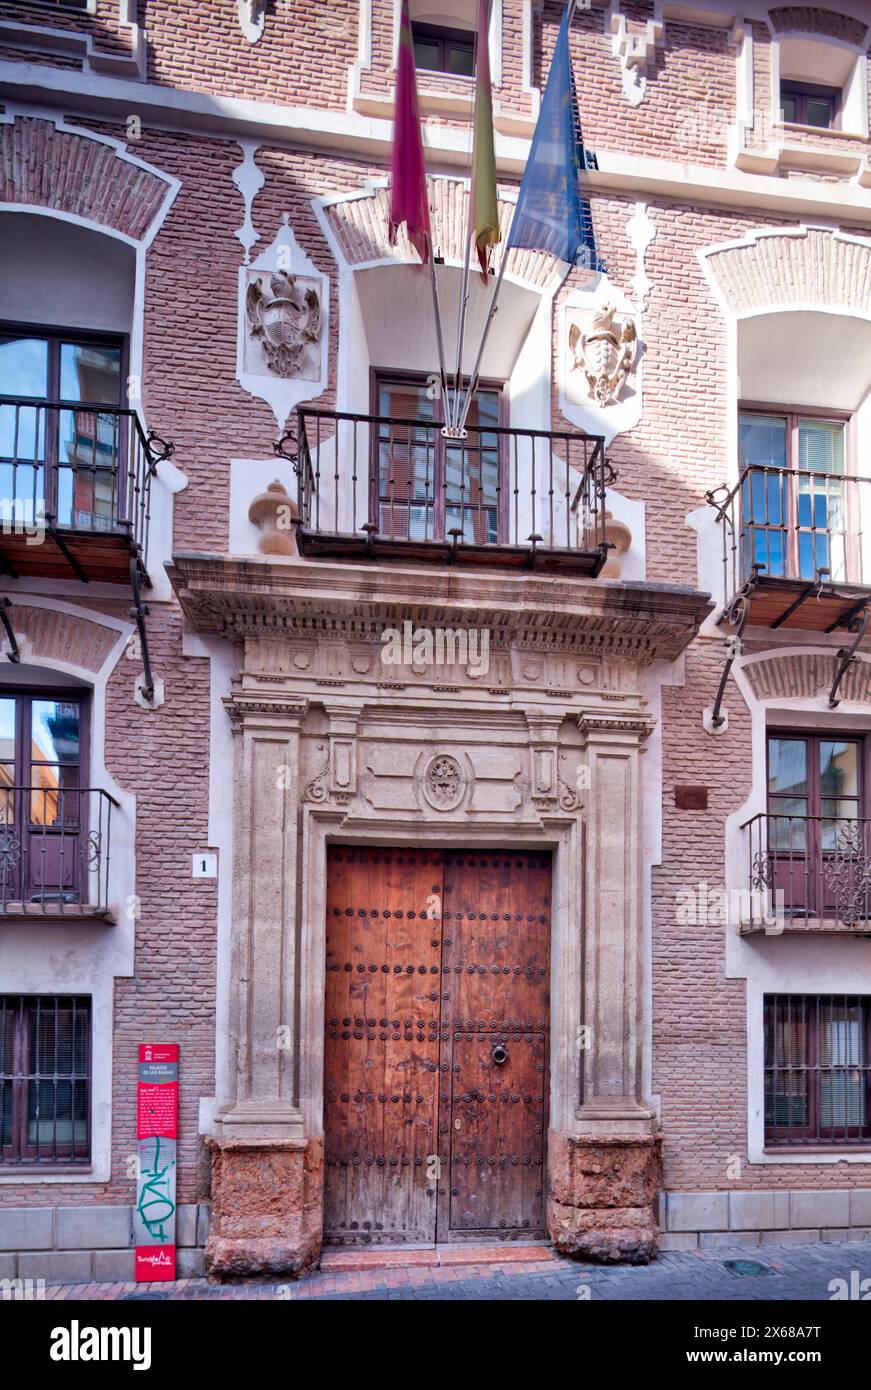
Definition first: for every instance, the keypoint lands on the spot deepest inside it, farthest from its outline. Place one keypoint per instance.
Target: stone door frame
(562, 837)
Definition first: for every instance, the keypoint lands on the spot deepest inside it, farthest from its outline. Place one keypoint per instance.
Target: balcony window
(54, 828)
(58, 450)
(803, 103)
(794, 501)
(429, 488)
(439, 49)
(45, 1079)
(391, 485)
(812, 844)
(817, 1073)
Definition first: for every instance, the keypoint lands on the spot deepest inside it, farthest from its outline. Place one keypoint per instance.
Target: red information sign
(157, 1133)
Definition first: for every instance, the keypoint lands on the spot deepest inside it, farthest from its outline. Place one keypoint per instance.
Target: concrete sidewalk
(777, 1272)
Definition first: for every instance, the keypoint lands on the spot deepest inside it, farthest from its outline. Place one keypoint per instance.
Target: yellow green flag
(485, 206)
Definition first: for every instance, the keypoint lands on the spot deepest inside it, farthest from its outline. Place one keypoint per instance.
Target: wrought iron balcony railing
(54, 850)
(808, 873)
(379, 486)
(75, 488)
(794, 535)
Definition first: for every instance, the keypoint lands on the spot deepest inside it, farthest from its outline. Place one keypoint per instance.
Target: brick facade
(728, 241)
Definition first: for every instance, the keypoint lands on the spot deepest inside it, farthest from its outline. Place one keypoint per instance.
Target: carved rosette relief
(444, 782)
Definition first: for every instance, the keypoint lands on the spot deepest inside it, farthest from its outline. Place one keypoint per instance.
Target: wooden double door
(436, 1045)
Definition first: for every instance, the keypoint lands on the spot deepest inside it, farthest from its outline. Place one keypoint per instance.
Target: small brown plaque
(691, 798)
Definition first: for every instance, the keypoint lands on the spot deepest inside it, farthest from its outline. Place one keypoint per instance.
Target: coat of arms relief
(283, 309)
(283, 313)
(601, 345)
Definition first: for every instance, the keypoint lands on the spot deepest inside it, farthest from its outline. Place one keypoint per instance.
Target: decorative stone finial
(274, 511)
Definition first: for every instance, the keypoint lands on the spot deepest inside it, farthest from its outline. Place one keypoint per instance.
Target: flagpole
(464, 299)
(473, 381)
(438, 321)
(467, 258)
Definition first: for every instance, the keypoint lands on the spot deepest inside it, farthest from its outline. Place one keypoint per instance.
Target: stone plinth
(601, 1194)
(267, 1202)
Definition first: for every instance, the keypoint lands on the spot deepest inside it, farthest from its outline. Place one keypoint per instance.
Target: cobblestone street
(772, 1272)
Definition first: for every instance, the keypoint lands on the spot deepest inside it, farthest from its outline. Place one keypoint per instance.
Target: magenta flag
(408, 196)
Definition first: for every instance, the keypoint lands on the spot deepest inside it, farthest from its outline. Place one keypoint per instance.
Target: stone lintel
(246, 597)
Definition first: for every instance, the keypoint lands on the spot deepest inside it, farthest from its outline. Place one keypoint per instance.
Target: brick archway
(812, 19)
(81, 175)
(807, 267)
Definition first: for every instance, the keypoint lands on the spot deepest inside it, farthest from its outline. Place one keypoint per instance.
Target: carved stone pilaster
(263, 1045)
(266, 1183)
(544, 727)
(343, 751)
(611, 1101)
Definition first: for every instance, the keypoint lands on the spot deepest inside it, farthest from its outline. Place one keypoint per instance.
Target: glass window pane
(90, 372)
(409, 401)
(56, 730)
(787, 108)
(7, 727)
(426, 53)
(821, 446)
(787, 766)
(24, 367)
(839, 768)
(461, 60)
(819, 111)
(787, 824)
(762, 441)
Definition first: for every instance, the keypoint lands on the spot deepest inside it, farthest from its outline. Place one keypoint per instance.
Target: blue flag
(552, 213)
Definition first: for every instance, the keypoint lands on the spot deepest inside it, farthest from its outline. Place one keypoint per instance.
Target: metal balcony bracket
(738, 612)
(14, 654)
(815, 588)
(858, 624)
(139, 612)
(287, 447)
(158, 449)
(846, 618)
(65, 550)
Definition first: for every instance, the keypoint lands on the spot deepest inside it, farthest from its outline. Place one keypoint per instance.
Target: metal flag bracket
(13, 654)
(139, 612)
(737, 612)
(847, 655)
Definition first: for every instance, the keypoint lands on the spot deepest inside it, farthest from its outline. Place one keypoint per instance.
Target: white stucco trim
(168, 479)
(783, 963)
(703, 519)
(46, 958)
(223, 663)
(370, 137)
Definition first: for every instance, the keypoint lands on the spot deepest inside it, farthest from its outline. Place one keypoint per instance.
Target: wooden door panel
(497, 952)
(497, 1133)
(382, 1045)
(433, 960)
(497, 938)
